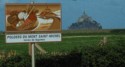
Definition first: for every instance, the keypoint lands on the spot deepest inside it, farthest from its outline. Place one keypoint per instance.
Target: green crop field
(69, 42)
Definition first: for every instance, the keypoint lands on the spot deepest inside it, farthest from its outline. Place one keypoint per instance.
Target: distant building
(85, 22)
(84, 17)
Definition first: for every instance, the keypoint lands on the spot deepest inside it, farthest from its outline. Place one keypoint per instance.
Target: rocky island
(85, 22)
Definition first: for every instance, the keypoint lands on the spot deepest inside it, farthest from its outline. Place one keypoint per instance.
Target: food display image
(33, 17)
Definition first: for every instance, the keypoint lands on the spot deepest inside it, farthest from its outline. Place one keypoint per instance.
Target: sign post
(31, 23)
(33, 55)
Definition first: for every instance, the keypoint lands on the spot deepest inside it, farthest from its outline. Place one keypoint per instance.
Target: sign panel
(33, 17)
(33, 37)
(24, 19)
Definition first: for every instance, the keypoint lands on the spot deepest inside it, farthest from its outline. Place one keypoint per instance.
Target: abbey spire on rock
(85, 22)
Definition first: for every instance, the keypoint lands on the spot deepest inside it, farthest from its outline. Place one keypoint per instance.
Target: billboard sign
(24, 20)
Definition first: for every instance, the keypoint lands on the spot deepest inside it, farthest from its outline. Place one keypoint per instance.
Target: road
(91, 36)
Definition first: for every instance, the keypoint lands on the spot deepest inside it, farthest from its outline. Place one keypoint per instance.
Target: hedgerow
(109, 55)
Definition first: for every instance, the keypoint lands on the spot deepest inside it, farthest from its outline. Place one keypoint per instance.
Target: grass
(91, 54)
(66, 45)
(70, 43)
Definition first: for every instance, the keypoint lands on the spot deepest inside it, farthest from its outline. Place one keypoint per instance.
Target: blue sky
(109, 13)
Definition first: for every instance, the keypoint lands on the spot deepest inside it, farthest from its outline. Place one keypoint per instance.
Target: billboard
(24, 19)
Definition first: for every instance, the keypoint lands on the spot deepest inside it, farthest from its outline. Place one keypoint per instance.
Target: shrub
(16, 61)
(109, 55)
(106, 56)
(70, 60)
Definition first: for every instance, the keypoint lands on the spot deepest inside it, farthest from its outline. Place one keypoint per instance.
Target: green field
(69, 42)
(77, 47)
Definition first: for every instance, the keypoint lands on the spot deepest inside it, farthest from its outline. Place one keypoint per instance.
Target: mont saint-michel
(85, 22)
